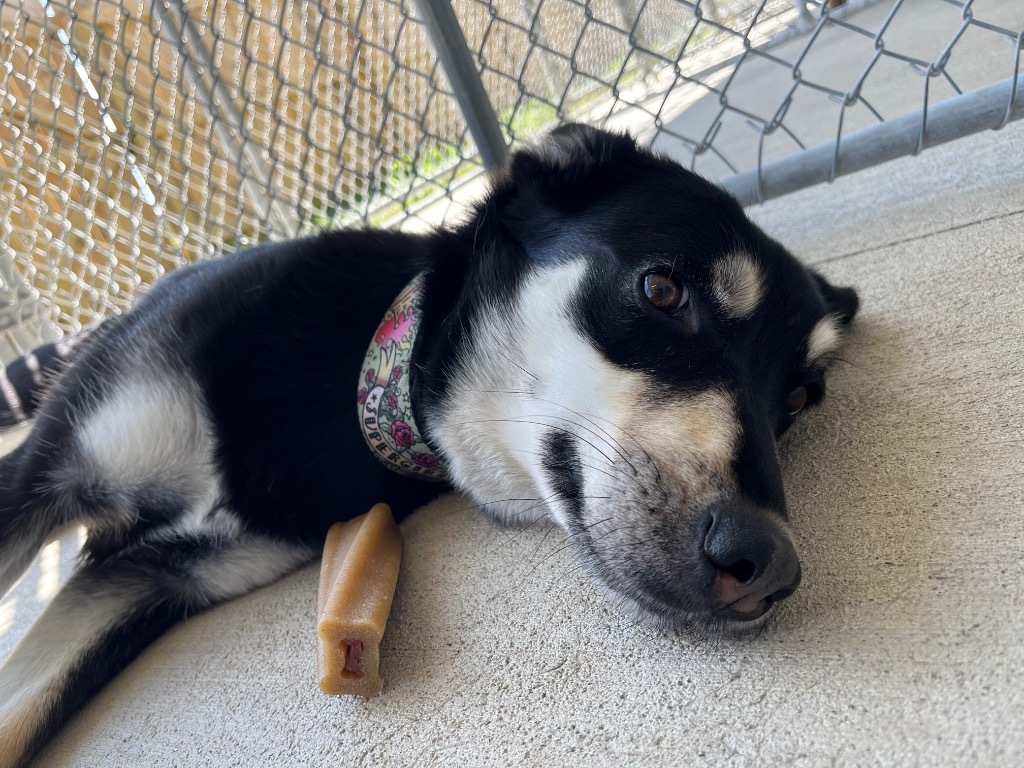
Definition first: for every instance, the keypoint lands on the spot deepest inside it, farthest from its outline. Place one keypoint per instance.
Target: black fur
(562, 463)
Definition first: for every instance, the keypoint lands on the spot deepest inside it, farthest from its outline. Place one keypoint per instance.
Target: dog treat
(357, 584)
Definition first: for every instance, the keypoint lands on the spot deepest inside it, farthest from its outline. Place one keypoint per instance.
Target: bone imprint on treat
(358, 576)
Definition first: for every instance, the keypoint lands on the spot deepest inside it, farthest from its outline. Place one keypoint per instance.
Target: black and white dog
(608, 343)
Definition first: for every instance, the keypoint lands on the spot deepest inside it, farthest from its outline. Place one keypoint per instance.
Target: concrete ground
(902, 646)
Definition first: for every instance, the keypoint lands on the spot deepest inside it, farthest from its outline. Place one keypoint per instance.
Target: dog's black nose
(754, 559)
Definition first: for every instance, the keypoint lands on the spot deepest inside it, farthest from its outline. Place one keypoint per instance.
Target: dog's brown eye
(796, 400)
(664, 291)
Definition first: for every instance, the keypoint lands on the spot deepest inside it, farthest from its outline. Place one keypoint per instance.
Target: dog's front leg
(113, 607)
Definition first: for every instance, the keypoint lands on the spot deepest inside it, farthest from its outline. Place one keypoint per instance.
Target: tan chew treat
(357, 583)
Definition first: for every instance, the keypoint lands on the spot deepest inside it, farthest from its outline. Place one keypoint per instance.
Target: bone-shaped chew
(358, 575)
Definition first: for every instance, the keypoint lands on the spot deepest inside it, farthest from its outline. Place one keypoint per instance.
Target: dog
(607, 342)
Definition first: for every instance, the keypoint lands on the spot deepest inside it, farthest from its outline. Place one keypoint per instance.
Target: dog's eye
(664, 291)
(796, 400)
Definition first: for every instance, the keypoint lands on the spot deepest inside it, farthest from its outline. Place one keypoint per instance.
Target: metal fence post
(450, 46)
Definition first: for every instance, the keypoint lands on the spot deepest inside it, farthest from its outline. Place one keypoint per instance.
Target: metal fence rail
(136, 136)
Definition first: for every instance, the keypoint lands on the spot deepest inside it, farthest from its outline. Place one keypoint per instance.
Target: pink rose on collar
(425, 459)
(402, 433)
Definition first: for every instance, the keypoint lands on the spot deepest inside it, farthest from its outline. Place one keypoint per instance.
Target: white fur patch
(823, 340)
(238, 570)
(532, 371)
(738, 284)
(149, 432)
(490, 429)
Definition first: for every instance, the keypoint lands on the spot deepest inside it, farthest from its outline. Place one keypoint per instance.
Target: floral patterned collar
(385, 403)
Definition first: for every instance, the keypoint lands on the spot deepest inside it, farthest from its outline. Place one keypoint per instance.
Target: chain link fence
(138, 136)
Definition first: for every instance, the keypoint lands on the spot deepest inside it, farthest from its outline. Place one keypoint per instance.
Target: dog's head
(629, 349)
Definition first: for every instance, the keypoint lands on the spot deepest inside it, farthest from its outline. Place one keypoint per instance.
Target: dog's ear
(569, 154)
(562, 174)
(841, 301)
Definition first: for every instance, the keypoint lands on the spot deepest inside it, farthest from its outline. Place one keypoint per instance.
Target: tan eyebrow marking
(738, 285)
(824, 339)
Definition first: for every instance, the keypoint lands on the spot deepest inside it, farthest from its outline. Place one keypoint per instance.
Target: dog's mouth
(724, 622)
(746, 609)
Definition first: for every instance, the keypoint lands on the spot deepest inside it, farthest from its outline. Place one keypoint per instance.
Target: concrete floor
(902, 646)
